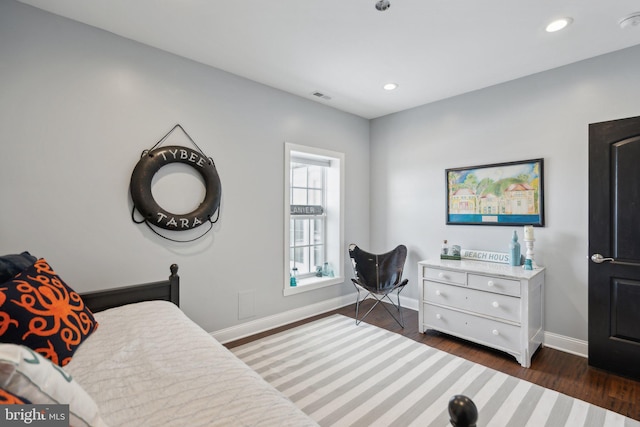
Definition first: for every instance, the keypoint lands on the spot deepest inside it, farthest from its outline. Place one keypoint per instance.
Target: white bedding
(149, 365)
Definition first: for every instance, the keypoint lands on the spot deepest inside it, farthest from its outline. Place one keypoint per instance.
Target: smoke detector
(632, 20)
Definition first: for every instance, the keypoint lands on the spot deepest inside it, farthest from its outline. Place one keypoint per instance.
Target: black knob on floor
(462, 411)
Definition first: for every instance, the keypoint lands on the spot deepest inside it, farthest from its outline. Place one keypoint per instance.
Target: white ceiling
(347, 50)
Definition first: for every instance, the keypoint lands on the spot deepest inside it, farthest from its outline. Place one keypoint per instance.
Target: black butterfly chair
(378, 276)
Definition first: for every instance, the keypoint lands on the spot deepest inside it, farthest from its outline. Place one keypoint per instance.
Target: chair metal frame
(374, 291)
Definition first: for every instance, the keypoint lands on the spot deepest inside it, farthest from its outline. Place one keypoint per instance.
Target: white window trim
(335, 233)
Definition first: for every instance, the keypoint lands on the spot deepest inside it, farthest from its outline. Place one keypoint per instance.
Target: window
(307, 215)
(313, 218)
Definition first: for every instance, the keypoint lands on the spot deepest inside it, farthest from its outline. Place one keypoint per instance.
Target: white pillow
(25, 373)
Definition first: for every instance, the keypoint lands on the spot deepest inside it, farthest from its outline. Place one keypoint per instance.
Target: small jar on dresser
(492, 304)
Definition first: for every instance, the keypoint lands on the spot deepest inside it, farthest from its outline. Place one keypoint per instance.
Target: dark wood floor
(550, 368)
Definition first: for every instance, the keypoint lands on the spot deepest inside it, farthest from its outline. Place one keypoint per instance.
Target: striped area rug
(341, 374)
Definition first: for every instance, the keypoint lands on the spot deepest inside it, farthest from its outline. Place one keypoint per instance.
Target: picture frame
(510, 194)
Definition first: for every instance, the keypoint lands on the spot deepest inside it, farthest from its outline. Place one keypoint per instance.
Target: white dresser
(492, 304)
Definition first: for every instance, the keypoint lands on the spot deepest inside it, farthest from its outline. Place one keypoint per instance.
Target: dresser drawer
(494, 284)
(447, 276)
(489, 304)
(481, 330)
(443, 294)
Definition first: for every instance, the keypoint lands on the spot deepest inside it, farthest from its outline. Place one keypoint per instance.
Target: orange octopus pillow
(8, 398)
(38, 310)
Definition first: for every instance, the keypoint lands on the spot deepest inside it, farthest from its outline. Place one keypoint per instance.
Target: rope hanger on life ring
(151, 161)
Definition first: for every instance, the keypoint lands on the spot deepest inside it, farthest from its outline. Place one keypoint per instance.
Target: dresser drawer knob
(495, 304)
(490, 283)
(438, 316)
(438, 293)
(495, 332)
(441, 275)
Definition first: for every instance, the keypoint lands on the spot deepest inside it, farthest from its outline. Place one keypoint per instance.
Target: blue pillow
(11, 265)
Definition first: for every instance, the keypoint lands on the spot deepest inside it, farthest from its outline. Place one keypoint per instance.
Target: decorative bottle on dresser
(514, 250)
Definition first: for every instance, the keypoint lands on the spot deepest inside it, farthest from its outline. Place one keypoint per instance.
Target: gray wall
(545, 115)
(77, 107)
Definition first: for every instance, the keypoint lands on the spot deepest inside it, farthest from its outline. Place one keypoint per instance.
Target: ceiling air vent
(320, 95)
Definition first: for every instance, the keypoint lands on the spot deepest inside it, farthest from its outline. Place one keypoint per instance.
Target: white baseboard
(551, 340)
(566, 344)
(410, 303)
(270, 322)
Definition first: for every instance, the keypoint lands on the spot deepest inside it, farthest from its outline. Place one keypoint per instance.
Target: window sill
(312, 283)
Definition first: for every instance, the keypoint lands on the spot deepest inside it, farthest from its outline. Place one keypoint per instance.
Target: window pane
(291, 259)
(298, 257)
(301, 257)
(299, 196)
(315, 197)
(307, 262)
(301, 232)
(292, 234)
(318, 256)
(299, 176)
(315, 177)
(317, 231)
(297, 233)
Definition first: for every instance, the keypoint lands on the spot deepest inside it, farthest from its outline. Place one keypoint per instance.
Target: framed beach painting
(498, 194)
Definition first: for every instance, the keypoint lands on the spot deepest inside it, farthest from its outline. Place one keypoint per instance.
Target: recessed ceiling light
(558, 24)
(390, 86)
(632, 20)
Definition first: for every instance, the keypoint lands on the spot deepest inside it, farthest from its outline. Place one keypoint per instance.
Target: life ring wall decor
(150, 163)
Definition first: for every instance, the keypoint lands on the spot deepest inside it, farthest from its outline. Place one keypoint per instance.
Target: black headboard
(166, 290)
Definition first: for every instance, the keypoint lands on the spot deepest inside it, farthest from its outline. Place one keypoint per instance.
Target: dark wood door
(614, 246)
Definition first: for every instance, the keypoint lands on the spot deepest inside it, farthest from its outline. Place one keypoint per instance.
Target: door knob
(599, 259)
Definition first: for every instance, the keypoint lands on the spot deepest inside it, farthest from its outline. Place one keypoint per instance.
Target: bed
(148, 364)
